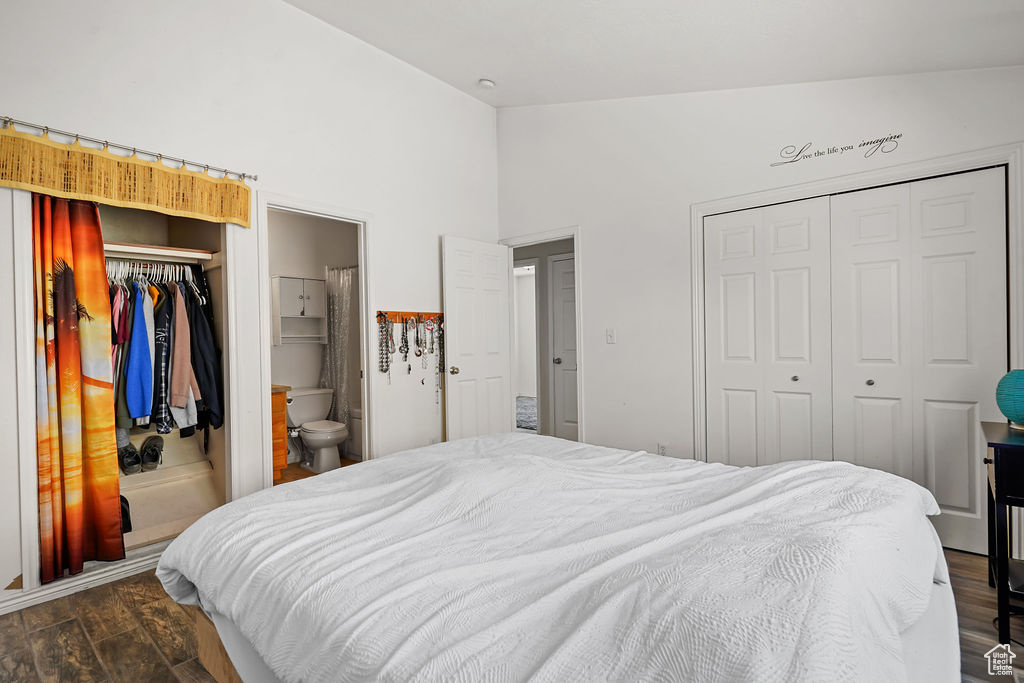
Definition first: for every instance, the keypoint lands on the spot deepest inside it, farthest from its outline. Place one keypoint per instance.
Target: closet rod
(8, 121)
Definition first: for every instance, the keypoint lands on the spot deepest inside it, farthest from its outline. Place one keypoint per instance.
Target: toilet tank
(308, 405)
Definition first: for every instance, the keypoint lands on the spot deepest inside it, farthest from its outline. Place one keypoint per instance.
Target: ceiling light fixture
(486, 83)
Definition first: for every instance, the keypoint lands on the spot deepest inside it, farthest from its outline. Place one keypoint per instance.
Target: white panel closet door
(920, 336)
(959, 227)
(872, 371)
(767, 320)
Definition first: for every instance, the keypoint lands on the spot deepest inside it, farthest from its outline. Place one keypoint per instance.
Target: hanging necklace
(404, 348)
(383, 335)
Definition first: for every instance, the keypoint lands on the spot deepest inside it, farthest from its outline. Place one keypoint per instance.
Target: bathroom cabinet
(299, 308)
(279, 427)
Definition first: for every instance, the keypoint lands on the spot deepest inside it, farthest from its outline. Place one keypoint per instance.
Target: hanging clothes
(169, 325)
(122, 415)
(79, 490)
(139, 373)
(205, 363)
(163, 319)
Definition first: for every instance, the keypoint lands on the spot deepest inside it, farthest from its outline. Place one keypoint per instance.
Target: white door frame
(550, 409)
(267, 201)
(576, 233)
(1011, 156)
(535, 262)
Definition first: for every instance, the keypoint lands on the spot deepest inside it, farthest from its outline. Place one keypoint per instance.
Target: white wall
(303, 246)
(627, 172)
(260, 86)
(525, 348)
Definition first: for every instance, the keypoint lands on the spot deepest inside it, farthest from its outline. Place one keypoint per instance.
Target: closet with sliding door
(117, 313)
(869, 327)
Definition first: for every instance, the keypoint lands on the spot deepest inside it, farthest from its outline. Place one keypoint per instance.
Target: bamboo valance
(74, 171)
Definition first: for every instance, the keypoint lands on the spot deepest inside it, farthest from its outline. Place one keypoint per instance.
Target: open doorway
(524, 344)
(316, 363)
(544, 355)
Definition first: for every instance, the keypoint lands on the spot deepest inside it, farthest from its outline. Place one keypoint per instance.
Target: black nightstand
(1005, 490)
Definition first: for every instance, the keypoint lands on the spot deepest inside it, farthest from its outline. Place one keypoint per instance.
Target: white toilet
(307, 410)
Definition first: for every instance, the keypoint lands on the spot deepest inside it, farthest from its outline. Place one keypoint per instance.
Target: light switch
(609, 335)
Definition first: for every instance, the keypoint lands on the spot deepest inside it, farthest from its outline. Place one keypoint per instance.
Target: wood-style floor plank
(140, 589)
(12, 633)
(18, 667)
(48, 613)
(130, 657)
(102, 612)
(63, 653)
(193, 672)
(172, 630)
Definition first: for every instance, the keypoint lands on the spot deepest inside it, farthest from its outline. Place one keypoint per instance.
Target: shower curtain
(334, 365)
(79, 492)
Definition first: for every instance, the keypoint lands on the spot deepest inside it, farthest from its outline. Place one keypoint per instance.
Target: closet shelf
(155, 252)
(165, 475)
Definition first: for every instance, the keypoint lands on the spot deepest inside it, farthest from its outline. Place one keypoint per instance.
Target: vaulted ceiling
(550, 51)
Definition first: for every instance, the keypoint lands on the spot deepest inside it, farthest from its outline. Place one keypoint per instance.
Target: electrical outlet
(662, 449)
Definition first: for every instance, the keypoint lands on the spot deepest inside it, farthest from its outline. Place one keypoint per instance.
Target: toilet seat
(322, 426)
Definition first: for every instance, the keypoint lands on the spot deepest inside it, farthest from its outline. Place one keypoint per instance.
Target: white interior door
(959, 268)
(920, 330)
(477, 277)
(562, 323)
(768, 361)
(871, 342)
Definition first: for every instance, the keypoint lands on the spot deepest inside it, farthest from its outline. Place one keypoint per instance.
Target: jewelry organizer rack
(427, 341)
(404, 316)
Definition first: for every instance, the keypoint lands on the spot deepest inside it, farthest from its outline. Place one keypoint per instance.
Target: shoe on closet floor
(152, 453)
(129, 460)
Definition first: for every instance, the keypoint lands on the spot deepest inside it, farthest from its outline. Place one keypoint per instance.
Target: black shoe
(129, 459)
(152, 453)
(126, 516)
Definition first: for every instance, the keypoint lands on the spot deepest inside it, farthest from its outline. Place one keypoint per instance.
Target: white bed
(523, 557)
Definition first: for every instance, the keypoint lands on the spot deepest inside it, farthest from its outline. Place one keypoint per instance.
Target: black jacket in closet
(205, 363)
(163, 320)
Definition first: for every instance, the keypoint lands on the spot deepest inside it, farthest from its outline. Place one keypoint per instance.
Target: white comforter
(522, 557)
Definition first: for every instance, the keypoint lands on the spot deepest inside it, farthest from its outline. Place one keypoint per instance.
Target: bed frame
(212, 654)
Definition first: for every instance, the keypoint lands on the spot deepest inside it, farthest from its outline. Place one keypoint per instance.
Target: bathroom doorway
(316, 358)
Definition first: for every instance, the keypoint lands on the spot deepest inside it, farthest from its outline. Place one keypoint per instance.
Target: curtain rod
(8, 121)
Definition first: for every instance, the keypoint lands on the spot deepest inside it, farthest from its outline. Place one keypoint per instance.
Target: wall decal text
(790, 154)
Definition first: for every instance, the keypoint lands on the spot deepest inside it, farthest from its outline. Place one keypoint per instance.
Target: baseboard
(96, 574)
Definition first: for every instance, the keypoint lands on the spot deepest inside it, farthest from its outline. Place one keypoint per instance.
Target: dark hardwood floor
(294, 472)
(975, 608)
(131, 631)
(128, 630)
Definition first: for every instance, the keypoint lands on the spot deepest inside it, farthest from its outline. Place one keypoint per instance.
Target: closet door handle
(870, 382)
(453, 370)
(794, 378)
(557, 361)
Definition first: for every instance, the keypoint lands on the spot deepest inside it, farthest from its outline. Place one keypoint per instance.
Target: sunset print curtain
(79, 503)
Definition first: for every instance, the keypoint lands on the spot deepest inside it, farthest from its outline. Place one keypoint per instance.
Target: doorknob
(870, 382)
(794, 378)
(557, 361)
(453, 370)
